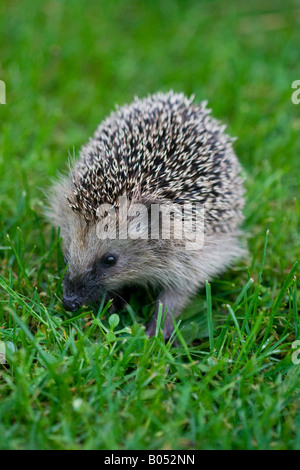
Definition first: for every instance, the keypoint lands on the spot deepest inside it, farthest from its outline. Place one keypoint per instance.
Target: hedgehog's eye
(109, 260)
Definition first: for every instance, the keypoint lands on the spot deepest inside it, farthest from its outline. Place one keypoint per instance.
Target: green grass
(90, 383)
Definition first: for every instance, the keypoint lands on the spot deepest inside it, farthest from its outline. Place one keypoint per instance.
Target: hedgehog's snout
(72, 304)
(72, 296)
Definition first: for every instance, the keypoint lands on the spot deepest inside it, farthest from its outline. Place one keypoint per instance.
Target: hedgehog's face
(88, 285)
(97, 266)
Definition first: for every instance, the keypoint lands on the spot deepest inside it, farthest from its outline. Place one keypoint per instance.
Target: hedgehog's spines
(163, 145)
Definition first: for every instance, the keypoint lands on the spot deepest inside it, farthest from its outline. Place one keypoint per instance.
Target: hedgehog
(159, 156)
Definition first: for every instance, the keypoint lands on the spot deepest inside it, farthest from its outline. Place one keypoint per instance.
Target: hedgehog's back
(161, 148)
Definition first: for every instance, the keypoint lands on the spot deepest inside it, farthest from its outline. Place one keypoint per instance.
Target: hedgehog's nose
(72, 304)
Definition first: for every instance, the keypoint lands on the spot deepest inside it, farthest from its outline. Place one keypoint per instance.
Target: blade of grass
(209, 317)
(276, 304)
(31, 339)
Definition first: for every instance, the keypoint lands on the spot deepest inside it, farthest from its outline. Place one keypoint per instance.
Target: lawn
(87, 381)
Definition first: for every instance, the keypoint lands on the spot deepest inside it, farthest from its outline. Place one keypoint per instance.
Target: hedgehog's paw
(167, 328)
(151, 327)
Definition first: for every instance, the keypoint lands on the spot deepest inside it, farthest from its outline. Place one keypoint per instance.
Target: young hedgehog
(160, 150)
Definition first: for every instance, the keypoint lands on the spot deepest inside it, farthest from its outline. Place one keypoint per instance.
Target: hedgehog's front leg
(173, 302)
